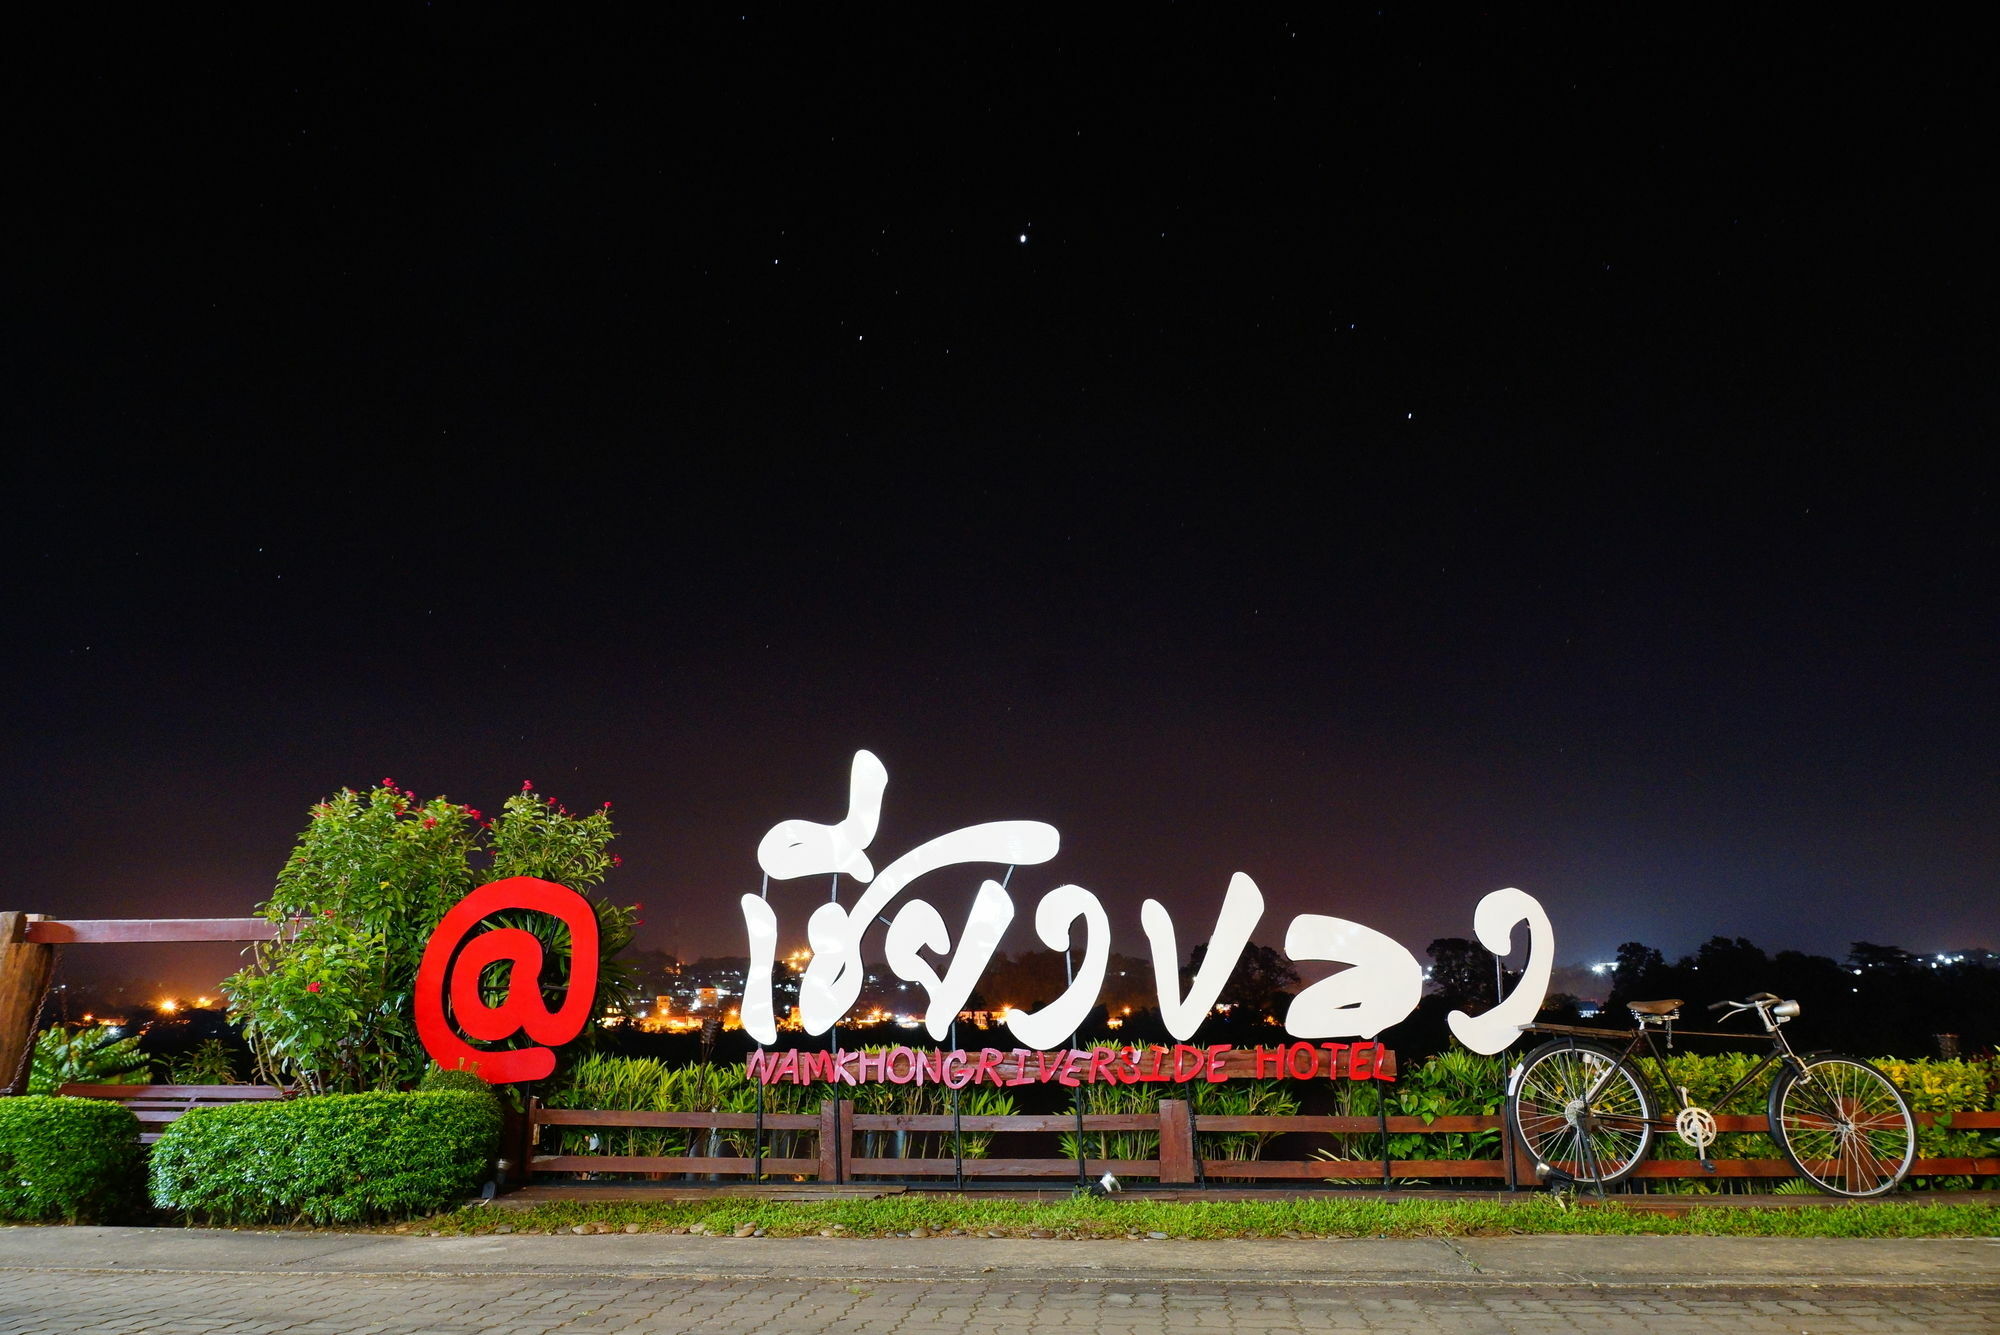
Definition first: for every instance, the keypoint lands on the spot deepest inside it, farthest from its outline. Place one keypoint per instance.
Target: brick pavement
(112, 1281)
(92, 1302)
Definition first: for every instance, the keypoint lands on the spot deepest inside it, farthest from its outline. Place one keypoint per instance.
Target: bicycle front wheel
(1843, 1125)
(1581, 1111)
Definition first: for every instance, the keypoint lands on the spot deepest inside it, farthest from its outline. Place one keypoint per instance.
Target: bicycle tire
(1844, 1125)
(1595, 1143)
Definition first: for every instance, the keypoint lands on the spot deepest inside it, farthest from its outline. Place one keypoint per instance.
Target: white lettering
(918, 925)
(1055, 1022)
(1494, 922)
(1242, 907)
(1383, 986)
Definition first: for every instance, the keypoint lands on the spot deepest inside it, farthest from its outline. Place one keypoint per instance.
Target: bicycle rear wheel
(1581, 1111)
(1843, 1125)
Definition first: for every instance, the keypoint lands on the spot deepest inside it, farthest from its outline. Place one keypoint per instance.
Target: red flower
(527, 785)
(617, 861)
(430, 822)
(390, 784)
(607, 806)
(312, 987)
(327, 913)
(472, 812)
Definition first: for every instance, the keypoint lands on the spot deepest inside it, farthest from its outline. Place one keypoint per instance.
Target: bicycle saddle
(1653, 1007)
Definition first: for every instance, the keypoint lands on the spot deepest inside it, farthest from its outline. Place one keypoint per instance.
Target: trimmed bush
(76, 1160)
(436, 1080)
(330, 1159)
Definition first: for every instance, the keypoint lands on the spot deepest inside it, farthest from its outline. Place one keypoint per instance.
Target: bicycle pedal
(1708, 1165)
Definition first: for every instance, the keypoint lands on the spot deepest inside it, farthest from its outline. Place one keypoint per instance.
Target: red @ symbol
(520, 1009)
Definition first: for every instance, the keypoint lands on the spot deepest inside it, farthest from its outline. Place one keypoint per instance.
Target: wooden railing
(836, 1126)
(159, 1106)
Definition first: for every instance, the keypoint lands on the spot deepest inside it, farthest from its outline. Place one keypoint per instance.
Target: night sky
(1394, 454)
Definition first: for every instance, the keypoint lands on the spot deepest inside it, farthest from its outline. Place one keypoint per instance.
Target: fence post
(1176, 1143)
(836, 1130)
(517, 1146)
(1522, 1175)
(25, 967)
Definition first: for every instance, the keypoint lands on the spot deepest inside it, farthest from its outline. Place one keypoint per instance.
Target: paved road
(88, 1281)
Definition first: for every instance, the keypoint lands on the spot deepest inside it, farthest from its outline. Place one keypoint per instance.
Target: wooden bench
(157, 1105)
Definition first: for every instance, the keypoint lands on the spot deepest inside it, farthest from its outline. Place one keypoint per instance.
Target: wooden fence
(1178, 1163)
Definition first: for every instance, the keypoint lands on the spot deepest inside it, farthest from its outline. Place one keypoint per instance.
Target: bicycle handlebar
(1759, 1001)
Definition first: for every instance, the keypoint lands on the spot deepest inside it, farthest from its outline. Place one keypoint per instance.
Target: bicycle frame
(1647, 1037)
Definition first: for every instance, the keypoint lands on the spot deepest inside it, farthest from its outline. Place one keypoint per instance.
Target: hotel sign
(1380, 985)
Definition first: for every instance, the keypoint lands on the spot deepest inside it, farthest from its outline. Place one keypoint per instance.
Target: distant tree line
(1879, 1000)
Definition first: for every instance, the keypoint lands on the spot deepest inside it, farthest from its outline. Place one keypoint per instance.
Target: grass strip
(943, 1214)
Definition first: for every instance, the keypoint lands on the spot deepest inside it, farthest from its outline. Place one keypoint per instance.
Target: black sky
(1410, 454)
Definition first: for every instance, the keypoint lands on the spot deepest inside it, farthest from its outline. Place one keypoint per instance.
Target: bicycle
(1583, 1109)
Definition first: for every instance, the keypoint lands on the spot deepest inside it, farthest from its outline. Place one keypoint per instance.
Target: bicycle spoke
(1845, 1127)
(1581, 1114)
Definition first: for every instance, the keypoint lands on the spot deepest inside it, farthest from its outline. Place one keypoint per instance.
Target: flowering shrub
(328, 1004)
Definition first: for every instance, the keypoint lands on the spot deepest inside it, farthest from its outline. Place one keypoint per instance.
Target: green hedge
(71, 1159)
(332, 1159)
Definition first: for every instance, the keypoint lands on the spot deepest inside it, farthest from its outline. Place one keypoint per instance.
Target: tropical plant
(1238, 1098)
(1943, 1088)
(89, 1056)
(329, 1002)
(644, 1084)
(1452, 1083)
(1104, 1098)
(209, 1062)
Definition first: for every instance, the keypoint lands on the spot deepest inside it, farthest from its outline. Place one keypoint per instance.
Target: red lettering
(1361, 1061)
(1217, 1053)
(1311, 1065)
(987, 1070)
(1063, 1075)
(1158, 1054)
(931, 1069)
(1333, 1051)
(1021, 1076)
(1270, 1063)
(955, 1074)
(817, 1066)
(843, 1068)
(909, 1066)
(1187, 1063)
(1100, 1066)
